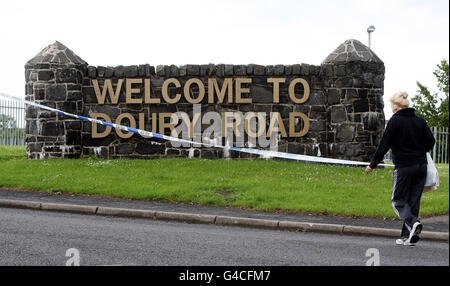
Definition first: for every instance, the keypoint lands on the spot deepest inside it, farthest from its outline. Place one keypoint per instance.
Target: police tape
(265, 153)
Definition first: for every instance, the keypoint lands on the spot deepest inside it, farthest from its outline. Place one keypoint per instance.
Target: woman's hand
(368, 169)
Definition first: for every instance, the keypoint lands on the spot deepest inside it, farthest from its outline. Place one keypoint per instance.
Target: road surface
(30, 237)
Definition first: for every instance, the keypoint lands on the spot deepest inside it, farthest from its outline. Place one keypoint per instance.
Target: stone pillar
(54, 78)
(354, 80)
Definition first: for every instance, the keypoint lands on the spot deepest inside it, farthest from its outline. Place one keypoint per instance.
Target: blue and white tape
(265, 153)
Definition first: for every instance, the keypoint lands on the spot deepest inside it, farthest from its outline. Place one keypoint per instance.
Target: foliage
(428, 105)
(7, 121)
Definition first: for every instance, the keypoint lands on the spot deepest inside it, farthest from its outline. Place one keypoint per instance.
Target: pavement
(435, 228)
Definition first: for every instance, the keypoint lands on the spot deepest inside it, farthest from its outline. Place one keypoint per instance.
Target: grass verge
(266, 185)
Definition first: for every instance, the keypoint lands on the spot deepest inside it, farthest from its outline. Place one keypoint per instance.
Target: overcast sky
(411, 37)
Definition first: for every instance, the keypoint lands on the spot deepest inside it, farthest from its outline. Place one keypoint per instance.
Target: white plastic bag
(432, 180)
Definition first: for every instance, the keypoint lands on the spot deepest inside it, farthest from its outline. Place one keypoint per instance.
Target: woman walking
(410, 139)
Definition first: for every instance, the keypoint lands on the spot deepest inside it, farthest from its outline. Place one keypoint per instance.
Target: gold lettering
(240, 90)
(187, 89)
(129, 90)
(162, 123)
(276, 87)
(147, 90)
(213, 86)
(142, 124)
(226, 123)
(276, 118)
(105, 133)
(119, 119)
(305, 90)
(154, 122)
(165, 91)
(306, 124)
(107, 87)
(261, 124)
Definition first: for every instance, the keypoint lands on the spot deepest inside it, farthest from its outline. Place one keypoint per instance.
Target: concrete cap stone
(352, 51)
(57, 53)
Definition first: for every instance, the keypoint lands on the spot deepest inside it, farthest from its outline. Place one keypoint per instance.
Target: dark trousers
(407, 188)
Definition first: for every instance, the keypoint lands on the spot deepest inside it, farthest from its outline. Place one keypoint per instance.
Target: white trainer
(415, 231)
(404, 241)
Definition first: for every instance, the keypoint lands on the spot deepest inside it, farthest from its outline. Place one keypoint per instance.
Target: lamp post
(370, 29)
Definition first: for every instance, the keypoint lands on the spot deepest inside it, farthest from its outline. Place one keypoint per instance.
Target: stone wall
(345, 106)
(54, 78)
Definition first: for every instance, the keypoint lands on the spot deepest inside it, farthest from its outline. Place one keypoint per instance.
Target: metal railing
(12, 123)
(440, 149)
(439, 153)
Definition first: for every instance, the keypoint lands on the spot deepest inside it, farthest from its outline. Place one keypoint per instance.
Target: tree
(426, 103)
(7, 122)
(442, 77)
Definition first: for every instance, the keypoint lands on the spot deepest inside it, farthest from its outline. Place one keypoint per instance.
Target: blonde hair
(400, 99)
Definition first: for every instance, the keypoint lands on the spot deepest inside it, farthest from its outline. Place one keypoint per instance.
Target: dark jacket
(408, 136)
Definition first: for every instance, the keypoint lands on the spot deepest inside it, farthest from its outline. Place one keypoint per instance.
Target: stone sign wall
(333, 110)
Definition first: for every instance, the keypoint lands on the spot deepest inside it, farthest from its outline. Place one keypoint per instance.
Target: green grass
(267, 185)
